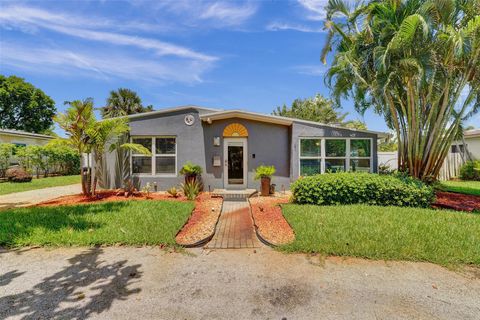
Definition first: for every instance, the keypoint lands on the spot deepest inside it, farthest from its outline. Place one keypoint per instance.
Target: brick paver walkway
(234, 228)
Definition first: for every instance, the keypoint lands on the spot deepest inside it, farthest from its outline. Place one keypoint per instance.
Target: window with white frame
(163, 160)
(360, 155)
(310, 156)
(319, 155)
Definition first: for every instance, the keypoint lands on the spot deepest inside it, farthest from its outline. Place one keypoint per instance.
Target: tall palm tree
(123, 102)
(416, 62)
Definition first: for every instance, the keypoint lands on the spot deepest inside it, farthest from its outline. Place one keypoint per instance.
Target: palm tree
(415, 62)
(89, 136)
(123, 102)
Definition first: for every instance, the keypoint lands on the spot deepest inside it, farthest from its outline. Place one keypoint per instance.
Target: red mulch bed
(457, 201)
(202, 222)
(269, 220)
(106, 196)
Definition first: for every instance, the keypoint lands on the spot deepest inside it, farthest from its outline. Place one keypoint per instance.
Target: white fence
(450, 169)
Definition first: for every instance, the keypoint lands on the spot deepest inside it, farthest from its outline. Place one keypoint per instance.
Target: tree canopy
(415, 62)
(123, 102)
(24, 107)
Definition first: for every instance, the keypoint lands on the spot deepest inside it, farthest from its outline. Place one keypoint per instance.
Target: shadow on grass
(85, 287)
(20, 223)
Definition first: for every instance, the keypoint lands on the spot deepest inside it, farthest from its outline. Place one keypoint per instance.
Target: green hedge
(470, 170)
(353, 188)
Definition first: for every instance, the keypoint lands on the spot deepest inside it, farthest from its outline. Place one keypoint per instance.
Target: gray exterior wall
(310, 130)
(272, 144)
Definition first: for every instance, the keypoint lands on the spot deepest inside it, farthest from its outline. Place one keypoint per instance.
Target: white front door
(235, 165)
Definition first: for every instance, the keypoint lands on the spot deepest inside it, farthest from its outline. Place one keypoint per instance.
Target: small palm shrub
(173, 192)
(190, 168)
(470, 170)
(367, 188)
(191, 189)
(264, 172)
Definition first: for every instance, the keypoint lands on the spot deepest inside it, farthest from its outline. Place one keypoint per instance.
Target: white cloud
(219, 13)
(316, 8)
(73, 26)
(277, 26)
(106, 65)
(311, 70)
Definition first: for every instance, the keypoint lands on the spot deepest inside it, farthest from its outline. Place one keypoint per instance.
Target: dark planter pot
(265, 186)
(190, 178)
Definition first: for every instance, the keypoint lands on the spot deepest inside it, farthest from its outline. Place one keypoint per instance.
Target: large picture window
(319, 155)
(163, 161)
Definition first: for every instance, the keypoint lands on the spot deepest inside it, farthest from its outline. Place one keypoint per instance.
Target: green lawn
(10, 187)
(123, 222)
(390, 233)
(465, 187)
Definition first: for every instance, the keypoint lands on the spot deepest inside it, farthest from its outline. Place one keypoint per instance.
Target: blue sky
(252, 55)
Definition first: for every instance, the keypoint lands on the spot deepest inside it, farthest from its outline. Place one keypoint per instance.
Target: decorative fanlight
(235, 130)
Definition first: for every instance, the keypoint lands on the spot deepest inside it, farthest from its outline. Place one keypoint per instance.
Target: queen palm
(123, 102)
(415, 62)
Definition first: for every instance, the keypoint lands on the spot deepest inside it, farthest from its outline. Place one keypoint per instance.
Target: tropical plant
(173, 192)
(318, 109)
(264, 172)
(470, 170)
(6, 152)
(92, 137)
(417, 63)
(123, 102)
(24, 107)
(191, 189)
(190, 168)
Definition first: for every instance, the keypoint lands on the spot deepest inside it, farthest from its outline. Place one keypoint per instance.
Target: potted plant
(264, 173)
(191, 171)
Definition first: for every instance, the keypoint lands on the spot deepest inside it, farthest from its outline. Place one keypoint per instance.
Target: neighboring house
(230, 144)
(469, 147)
(23, 139)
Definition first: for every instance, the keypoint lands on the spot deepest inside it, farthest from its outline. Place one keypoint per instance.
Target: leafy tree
(89, 136)
(417, 63)
(355, 124)
(24, 107)
(123, 102)
(6, 152)
(318, 109)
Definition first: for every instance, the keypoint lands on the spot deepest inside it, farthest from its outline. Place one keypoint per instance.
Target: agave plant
(415, 62)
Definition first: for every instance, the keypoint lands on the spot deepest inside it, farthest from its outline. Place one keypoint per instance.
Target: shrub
(352, 188)
(190, 168)
(6, 152)
(173, 192)
(264, 172)
(191, 189)
(470, 170)
(17, 175)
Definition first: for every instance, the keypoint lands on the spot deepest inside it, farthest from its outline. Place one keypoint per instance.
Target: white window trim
(154, 157)
(323, 156)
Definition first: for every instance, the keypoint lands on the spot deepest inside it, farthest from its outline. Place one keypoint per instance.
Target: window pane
(360, 165)
(334, 165)
(165, 145)
(335, 147)
(310, 148)
(146, 142)
(165, 165)
(360, 148)
(309, 167)
(142, 165)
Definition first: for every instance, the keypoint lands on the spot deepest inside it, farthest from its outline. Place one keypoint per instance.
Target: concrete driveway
(28, 198)
(149, 283)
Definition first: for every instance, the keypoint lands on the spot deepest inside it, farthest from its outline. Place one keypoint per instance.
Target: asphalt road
(150, 283)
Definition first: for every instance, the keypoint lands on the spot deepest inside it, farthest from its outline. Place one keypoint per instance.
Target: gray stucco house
(230, 144)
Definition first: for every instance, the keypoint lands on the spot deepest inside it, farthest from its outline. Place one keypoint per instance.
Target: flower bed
(201, 225)
(106, 196)
(457, 201)
(269, 220)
